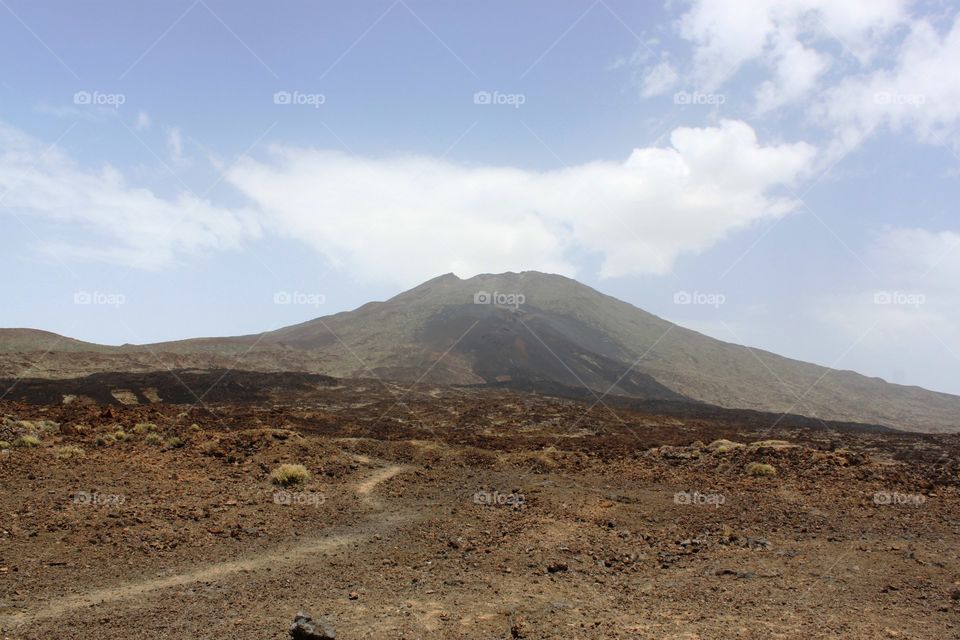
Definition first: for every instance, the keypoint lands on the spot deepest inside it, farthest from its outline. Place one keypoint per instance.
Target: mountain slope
(592, 339)
(20, 340)
(563, 333)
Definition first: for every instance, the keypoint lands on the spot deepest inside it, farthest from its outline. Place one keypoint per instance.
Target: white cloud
(853, 68)
(405, 219)
(175, 145)
(918, 94)
(143, 121)
(796, 70)
(123, 223)
(659, 79)
(728, 34)
(408, 218)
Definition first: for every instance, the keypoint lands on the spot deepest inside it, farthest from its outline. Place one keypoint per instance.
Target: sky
(783, 173)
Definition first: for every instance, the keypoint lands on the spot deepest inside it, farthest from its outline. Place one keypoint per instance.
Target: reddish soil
(469, 513)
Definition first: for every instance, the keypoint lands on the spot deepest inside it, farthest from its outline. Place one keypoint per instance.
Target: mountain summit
(535, 329)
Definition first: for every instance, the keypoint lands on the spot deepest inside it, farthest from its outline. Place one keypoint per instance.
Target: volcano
(525, 330)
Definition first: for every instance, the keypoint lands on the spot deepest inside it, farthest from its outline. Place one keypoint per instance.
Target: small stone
(519, 628)
(304, 627)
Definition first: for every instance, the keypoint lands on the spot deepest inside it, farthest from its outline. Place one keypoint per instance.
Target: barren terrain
(439, 512)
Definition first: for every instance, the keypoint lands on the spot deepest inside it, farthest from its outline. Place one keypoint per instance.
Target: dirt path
(224, 570)
(365, 488)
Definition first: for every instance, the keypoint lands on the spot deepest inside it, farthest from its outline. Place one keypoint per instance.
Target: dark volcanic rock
(304, 627)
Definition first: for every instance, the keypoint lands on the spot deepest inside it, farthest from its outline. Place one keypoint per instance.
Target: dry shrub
(27, 442)
(70, 452)
(760, 469)
(289, 475)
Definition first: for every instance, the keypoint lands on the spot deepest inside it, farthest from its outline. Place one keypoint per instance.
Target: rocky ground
(459, 513)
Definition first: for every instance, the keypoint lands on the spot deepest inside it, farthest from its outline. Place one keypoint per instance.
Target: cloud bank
(854, 68)
(405, 219)
(118, 222)
(402, 220)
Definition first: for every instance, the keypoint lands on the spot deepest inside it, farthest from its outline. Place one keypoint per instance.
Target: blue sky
(167, 169)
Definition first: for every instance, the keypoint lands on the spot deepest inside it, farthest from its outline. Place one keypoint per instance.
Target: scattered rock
(760, 544)
(678, 453)
(519, 628)
(741, 575)
(304, 627)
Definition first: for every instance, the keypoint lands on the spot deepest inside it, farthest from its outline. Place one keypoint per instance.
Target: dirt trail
(224, 570)
(365, 488)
